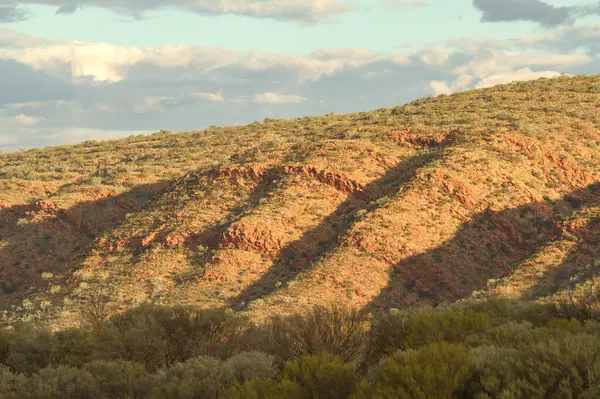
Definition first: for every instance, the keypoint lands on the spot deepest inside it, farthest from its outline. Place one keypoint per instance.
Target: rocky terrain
(485, 192)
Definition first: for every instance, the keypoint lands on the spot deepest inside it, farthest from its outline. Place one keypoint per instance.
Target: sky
(75, 70)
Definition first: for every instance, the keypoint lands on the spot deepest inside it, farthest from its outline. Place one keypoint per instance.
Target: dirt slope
(493, 191)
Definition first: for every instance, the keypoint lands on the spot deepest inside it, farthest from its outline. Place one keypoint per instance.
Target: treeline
(476, 349)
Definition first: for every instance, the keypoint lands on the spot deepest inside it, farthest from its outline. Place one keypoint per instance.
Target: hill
(486, 192)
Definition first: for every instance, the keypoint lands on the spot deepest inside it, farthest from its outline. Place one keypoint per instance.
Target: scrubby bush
(251, 365)
(29, 349)
(502, 310)
(468, 350)
(199, 377)
(323, 376)
(439, 370)
(264, 389)
(61, 382)
(121, 379)
(11, 385)
(159, 336)
(562, 367)
(338, 331)
(406, 330)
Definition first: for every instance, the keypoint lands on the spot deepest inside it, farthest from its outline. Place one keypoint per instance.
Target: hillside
(485, 192)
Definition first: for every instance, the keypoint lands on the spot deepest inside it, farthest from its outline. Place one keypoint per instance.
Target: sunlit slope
(424, 203)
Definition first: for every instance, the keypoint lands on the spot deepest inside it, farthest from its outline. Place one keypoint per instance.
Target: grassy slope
(421, 203)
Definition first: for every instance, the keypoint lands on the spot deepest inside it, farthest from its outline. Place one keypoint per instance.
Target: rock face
(412, 205)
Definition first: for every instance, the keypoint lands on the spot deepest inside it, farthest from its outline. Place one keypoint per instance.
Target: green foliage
(200, 377)
(338, 331)
(11, 385)
(251, 365)
(121, 379)
(502, 310)
(554, 368)
(30, 349)
(323, 376)
(438, 370)
(406, 330)
(160, 336)
(264, 389)
(60, 382)
(184, 352)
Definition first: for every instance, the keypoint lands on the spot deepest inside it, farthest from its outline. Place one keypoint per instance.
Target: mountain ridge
(425, 203)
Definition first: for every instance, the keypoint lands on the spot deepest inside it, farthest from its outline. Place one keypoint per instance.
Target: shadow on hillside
(43, 238)
(209, 238)
(491, 245)
(585, 252)
(299, 256)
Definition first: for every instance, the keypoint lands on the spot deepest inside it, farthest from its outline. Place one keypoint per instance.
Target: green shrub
(323, 376)
(502, 310)
(559, 367)
(398, 330)
(73, 347)
(264, 389)
(338, 331)
(158, 336)
(121, 379)
(200, 377)
(439, 370)
(61, 382)
(29, 349)
(251, 365)
(12, 386)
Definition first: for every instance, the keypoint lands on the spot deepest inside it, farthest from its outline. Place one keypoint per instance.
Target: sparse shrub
(200, 377)
(323, 376)
(502, 310)
(121, 379)
(251, 365)
(12, 385)
(561, 367)
(73, 347)
(405, 330)
(338, 331)
(161, 336)
(29, 349)
(439, 370)
(264, 389)
(61, 382)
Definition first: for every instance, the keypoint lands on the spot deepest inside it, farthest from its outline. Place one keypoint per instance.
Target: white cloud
(26, 120)
(274, 98)
(512, 76)
(434, 56)
(438, 87)
(69, 87)
(214, 97)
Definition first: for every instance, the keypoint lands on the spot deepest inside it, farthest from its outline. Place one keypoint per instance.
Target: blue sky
(376, 26)
(109, 68)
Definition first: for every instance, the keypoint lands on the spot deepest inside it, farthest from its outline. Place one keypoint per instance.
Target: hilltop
(485, 192)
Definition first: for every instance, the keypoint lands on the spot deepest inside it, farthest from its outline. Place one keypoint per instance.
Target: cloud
(306, 11)
(10, 13)
(533, 10)
(50, 92)
(274, 98)
(11, 38)
(26, 120)
(214, 97)
(512, 76)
